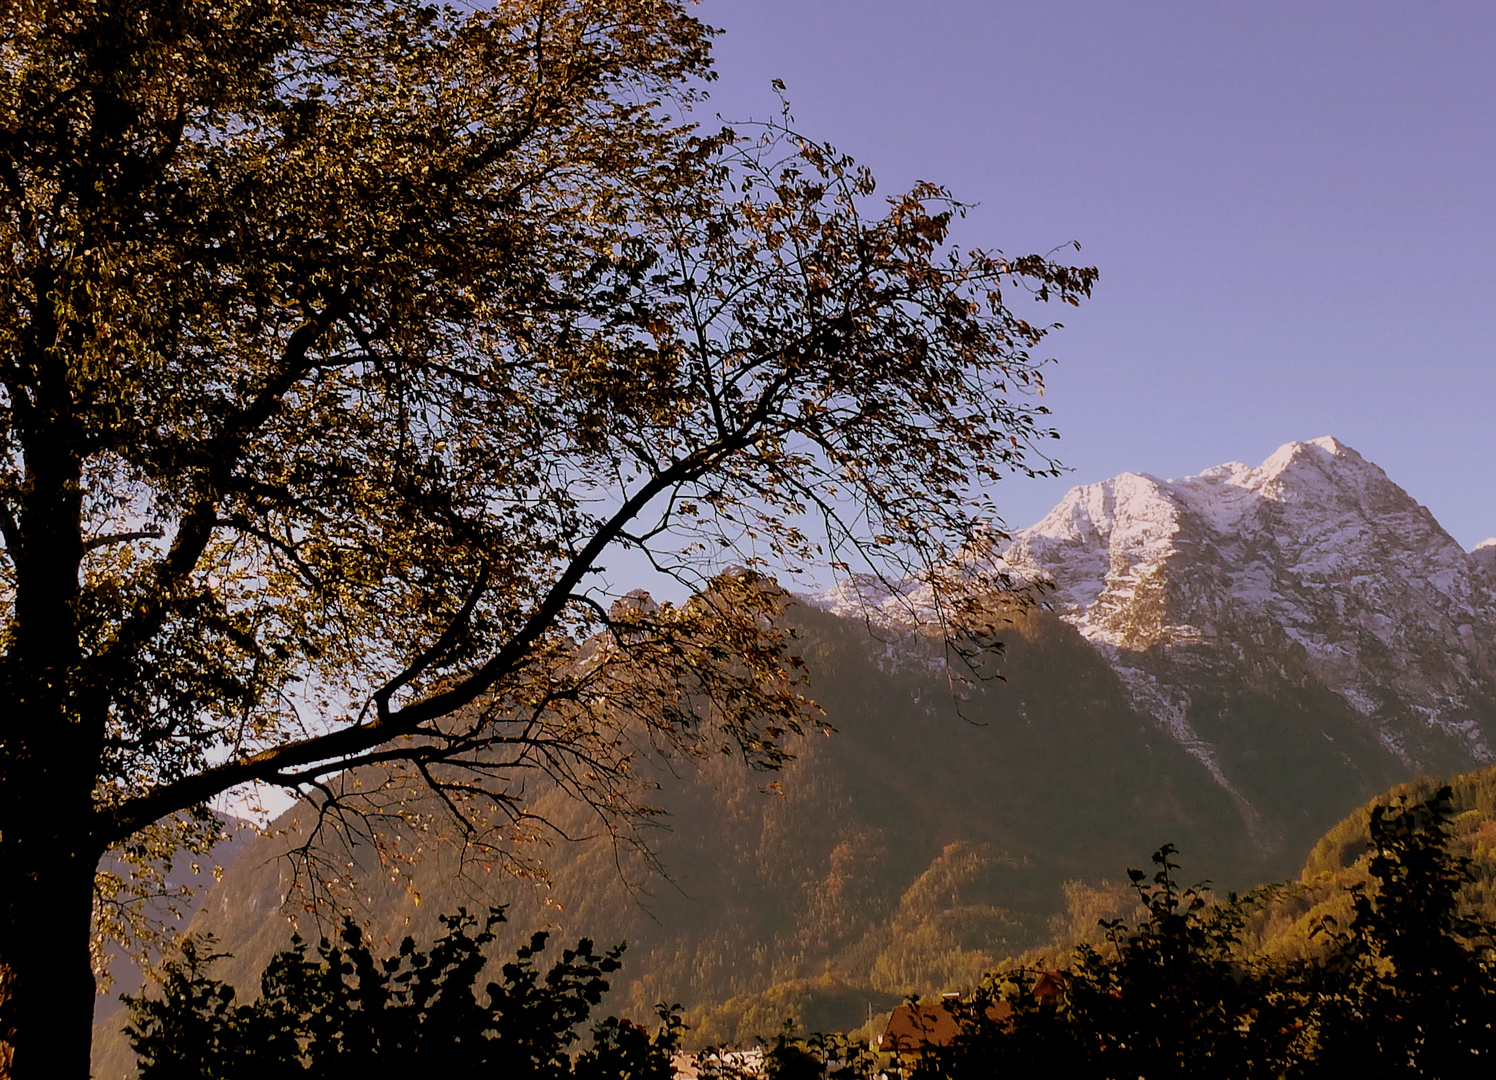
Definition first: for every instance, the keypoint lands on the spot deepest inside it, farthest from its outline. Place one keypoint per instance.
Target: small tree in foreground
(1170, 996)
(346, 344)
(345, 1012)
(1413, 989)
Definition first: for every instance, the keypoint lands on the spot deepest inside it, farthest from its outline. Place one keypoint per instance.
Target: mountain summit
(1307, 598)
(1140, 561)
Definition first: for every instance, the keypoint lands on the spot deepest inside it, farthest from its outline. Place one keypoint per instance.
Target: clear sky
(1292, 205)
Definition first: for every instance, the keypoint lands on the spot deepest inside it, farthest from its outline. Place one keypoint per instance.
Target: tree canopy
(343, 343)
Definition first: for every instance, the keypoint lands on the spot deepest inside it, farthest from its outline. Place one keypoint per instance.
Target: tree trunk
(50, 740)
(46, 974)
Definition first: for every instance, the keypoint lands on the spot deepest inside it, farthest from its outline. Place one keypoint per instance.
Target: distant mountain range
(1232, 663)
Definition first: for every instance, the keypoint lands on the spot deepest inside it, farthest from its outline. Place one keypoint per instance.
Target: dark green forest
(1420, 858)
(852, 881)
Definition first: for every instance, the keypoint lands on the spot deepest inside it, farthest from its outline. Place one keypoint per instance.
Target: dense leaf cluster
(344, 1012)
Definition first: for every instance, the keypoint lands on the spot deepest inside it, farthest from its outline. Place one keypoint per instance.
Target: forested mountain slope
(1339, 861)
(1232, 663)
(928, 836)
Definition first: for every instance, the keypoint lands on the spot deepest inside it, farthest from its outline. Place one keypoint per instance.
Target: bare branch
(123, 538)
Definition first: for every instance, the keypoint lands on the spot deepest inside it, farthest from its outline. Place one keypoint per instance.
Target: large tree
(343, 343)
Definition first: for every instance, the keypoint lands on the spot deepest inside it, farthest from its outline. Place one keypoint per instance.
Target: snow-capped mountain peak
(1312, 569)
(1139, 561)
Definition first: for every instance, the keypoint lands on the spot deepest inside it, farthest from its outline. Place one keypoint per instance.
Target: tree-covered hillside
(943, 829)
(929, 836)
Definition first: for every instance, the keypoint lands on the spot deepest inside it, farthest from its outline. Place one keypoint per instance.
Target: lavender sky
(1293, 207)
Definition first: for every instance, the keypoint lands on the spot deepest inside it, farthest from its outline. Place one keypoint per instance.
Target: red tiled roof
(913, 1027)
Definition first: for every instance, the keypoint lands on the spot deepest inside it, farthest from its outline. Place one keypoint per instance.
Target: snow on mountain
(1311, 570)
(1484, 554)
(1141, 561)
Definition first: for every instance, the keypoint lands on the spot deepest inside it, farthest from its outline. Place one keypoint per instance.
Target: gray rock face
(1311, 586)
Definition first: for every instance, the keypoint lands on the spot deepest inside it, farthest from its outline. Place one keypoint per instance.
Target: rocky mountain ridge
(1312, 572)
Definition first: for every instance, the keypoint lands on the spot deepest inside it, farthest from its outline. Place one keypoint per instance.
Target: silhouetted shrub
(343, 1012)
